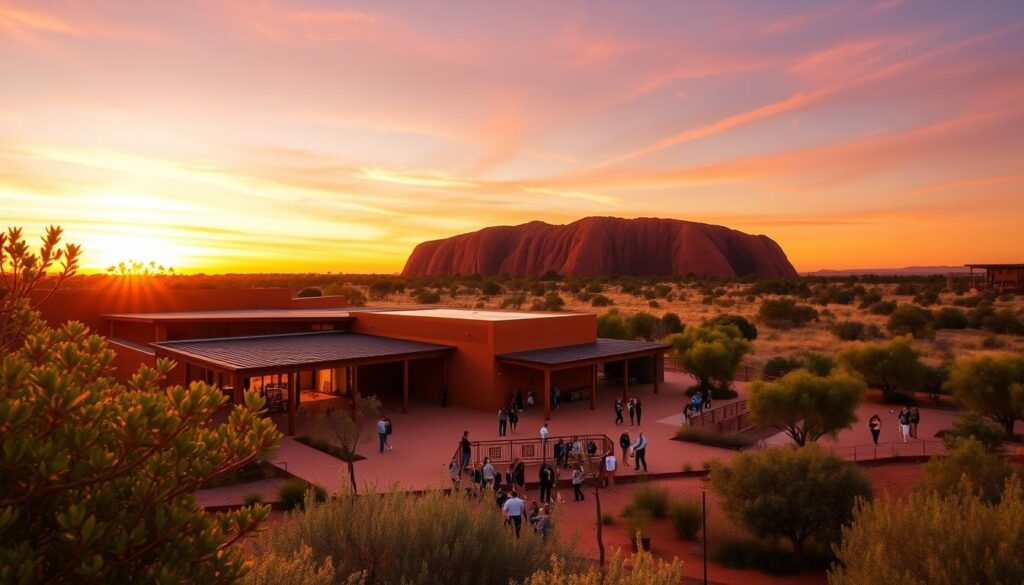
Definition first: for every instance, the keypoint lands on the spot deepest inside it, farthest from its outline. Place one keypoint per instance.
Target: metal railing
(531, 450)
(730, 418)
(885, 450)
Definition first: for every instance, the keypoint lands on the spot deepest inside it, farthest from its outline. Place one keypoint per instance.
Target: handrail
(530, 450)
(884, 450)
(733, 417)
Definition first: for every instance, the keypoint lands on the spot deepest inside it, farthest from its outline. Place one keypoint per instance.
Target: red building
(1000, 277)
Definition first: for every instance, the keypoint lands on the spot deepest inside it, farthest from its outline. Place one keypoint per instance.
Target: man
(547, 481)
(631, 406)
(502, 421)
(625, 442)
(382, 432)
(640, 452)
(904, 418)
(467, 449)
(618, 412)
(544, 437)
(639, 408)
(514, 508)
(488, 472)
(609, 469)
(561, 452)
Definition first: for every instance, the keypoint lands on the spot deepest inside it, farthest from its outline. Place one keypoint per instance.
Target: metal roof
(297, 349)
(600, 349)
(996, 266)
(477, 315)
(237, 315)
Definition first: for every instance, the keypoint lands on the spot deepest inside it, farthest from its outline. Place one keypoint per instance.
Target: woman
(631, 407)
(915, 417)
(625, 442)
(519, 475)
(513, 419)
(875, 425)
(577, 484)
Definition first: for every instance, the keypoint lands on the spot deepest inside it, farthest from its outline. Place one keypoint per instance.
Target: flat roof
(265, 352)
(597, 350)
(994, 265)
(237, 315)
(471, 315)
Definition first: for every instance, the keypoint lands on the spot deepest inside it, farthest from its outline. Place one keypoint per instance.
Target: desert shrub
(935, 378)
(600, 300)
(253, 498)
(927, 298)
(652, 498)
(491, 288)
(309, 292)
(939, 538)
(710, 354)
(780, 286)
(686, 517)
(428, 297)
(785, 313)
(1003, 321)
(711, 438)
(671, 323)
(640, 569)
(595, 288)
(894, 367)
(855, 330)
(747, 329)
(906, 289)
(882, 308)
(968, 461)
(976, 316)
(796, 493)
(973, 425)
(911, 320)
(804, 406)
(513, 301)
(292, 493)
(992, 386)
(779, 366)
(819, 364)
(553, 302)
(772, 557)
(644, 326)
(950, 318)
(439, 537)
(611, 325)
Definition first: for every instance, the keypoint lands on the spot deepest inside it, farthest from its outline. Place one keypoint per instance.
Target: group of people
(635, 409)
(384, 428)
(698, 403)
(908, 419)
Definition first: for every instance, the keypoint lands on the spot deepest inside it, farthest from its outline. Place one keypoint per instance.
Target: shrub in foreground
(640, 569)
(785, 313)
(772, 557)
(652, 498)
(968, 461)
(686, 517)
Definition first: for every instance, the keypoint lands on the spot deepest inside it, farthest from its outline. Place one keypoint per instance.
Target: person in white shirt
(544, 438)
(610, 465)
(577, 484)
(640, 452)
(488, 472)
(514, 508)
(382, 433)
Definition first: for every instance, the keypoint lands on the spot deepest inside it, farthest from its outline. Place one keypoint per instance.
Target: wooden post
(237, 390)
(355, 387)
(593, 387)
(188, 374)
(405, 386)
(625, 380)
(291, 405)
(659, 367)
(547, 394)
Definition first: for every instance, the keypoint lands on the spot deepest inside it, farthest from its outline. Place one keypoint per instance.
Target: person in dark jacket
(639, 408)
(547, 481)
(618, 412)
(625, 442)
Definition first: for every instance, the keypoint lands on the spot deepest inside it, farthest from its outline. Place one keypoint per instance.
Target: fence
(531, 450)
(744, 374)
(886, 450)
(731, 418)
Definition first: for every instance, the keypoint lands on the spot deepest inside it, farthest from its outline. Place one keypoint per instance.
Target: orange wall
(128, 360)
(525, 334)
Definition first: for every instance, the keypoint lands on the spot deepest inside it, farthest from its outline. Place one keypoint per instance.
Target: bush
(950, 318)
(553, 302)
(711, 438)
(911, 320)
(641, 569)
(601, 301)
(779, 366)
(292, 493)
(969, 461)
(253, 498)
(513, 301)
(1003, 321)
(611, 325)
(785, 313)
(882, 308)
(652, 498)
(819, 364)
(855, 331)
(747, 329)
(428, 297)
(686, 518)
(491, 288)
(309, 292)
(769, 557)
(671, 323)
(972, 425)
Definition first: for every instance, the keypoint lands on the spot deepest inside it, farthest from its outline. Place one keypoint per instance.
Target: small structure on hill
(1000, 277)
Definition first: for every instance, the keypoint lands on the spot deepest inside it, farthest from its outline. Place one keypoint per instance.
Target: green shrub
(785, 313)
(652, 498)
(969, 461)
(973, 425)
(686, 518)
(607, 518)
(950, 318)
(292, 493)
(855, 330)
(253, 498)
(672, 323)
(882, 308)
(912, 320)
(1003, 321)
(779, 366)
(600, 300)
(747, 329)
(428, 298)
(691, 434)
(309, 292)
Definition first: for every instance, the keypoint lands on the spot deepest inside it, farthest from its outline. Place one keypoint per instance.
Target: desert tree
(892, 367)
(806, 407)
(992, 386)
(347, 426)
(711, 354)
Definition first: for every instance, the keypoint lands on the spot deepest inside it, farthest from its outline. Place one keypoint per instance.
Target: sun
(106, 250)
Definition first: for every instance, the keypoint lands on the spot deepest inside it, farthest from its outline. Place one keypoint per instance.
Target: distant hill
(603, 246)
(905, 271)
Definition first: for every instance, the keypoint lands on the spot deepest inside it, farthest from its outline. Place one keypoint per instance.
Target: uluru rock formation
(603, 246)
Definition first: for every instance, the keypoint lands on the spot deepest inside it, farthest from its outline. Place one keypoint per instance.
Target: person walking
(488, 473)
(514, 508)
(625, 442)
(875, 426)
(631, 406)
(544, 437)
(502, 421)
(639, 411)
(915, 418)
(904, 418)
(467, 449)
(455, 473)
(618, 412)
(547, 481)
(561, 450)
(577, 484)
(382, 433)
(609, 469)
(519, 475)
(513, 419)
(388, 446)
(529, 398)
(640, 452)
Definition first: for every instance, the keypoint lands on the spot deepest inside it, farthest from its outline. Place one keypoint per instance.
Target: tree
(891, 367)
(785, 313)
(710, 354)
(610, 325)
(968, 461)
(804, 406)
(973, 425)
(748, 329)
(98, 477)
(308, 292)
(672, 323)
(911, 320)
(991, 385)
(347, 427)
(22, 272)
(796, 493)
(934, 538)
(645, 326)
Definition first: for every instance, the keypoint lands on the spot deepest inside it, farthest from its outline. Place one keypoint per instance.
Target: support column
(405, 386)
(659, 369)
(188, 374)
(625, 380)
(593, 387)
(355, 387)
(547, 394)
(237, 391)
(291, 405)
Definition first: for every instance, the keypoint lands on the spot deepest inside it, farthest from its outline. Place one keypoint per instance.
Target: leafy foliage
(892, 367)
(747, 329)
(911, 320)
(652, 498)
(855, 330)
(968, 461)
(686, 517)
(806, 407)
(640, 569)
(785, 313)
(991, 385)
(712, 354)
(973, 425)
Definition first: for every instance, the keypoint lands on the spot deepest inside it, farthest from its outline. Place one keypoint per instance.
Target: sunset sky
(283, 136)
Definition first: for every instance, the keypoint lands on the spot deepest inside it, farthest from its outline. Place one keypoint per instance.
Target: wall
(526, 334)
(127, 361)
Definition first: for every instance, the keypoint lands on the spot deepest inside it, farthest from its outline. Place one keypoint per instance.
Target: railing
(531, 450)
(886, 450)
(730, 418)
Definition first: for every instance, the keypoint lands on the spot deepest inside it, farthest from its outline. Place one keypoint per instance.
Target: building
(1000, 277)
(286, 348)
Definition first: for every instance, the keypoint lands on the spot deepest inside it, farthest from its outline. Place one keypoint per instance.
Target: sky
(315, 135)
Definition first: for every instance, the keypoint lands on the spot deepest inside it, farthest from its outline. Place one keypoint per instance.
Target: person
(387, 434)
(561, 451)
(455, 473)
(534, 514)
(502, 421)
(640, 452)
(705, 395)
(556, 395)
(915, 418)
(544, 436)
(500, 497)
(591, 448)
(544, 525)
(625, 442)
(875, 425)
(631, 406)
(618, 412)
(497, 480)
(382, 433)
(477, 475)
(513, 419)
(467, 449)
(639, 408)
(547, 481)
(904, 418)
(519, 475)
(609, 469)
(577, 484)
(488, 473)
(577, 448)
(519, 399)
(529, 398)
(514, 508)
